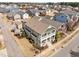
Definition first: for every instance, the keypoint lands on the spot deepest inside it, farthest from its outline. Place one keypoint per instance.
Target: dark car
(74, 52)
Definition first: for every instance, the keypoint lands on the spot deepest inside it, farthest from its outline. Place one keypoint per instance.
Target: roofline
(47, 28)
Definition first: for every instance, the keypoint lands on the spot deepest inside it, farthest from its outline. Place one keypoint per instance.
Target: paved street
(13, 50)
(65, 51)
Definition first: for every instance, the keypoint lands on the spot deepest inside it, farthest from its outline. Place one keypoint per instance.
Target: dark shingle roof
(40, 24)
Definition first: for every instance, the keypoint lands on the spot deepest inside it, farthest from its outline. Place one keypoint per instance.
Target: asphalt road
(64, 52)
(13, 49)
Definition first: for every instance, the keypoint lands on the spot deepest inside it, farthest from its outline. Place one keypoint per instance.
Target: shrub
(58, 36)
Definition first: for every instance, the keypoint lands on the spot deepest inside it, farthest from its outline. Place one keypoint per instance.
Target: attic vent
(40, 19)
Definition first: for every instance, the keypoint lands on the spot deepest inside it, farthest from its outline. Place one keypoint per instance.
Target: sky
(39, 0)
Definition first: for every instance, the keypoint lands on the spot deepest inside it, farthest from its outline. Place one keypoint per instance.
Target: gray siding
(32, 34)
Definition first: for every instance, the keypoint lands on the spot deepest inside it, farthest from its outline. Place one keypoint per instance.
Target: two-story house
(41, 30)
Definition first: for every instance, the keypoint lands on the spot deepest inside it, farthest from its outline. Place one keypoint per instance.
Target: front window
(43, 41)
(44, 35)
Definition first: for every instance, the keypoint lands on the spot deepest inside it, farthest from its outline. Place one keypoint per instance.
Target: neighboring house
(69, 12)
(17, 32)
(12, 15)
(17, 17)
(69, 19)
(63, 19)
(51, 12)
(57, 7)
(29, 13)
(3, 10)
(60, 26)
(19, 23)
(12, 8)
(3, 5)
(76, 9)
(41, 30)
(15, 28)
(73, 22)
(36, 12)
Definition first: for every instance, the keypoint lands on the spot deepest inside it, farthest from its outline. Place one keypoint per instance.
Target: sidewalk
(57, 46)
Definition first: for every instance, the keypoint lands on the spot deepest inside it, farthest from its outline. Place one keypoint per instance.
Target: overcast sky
(39, 0)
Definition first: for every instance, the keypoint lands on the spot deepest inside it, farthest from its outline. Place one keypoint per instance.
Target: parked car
(74, 52)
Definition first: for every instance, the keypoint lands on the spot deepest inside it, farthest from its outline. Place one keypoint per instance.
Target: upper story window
(53, 31)
(34, 35)
(44, 35)
(49, 33)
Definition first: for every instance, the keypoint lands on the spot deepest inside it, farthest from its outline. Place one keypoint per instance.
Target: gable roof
(69, 12)
(40, 24)
(33, 11)
(36, 25)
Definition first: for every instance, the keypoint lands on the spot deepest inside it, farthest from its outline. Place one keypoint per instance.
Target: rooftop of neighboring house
(68, 11)
(61, 17)
(14, 13)
(36, 10)
(3, 10)
(40, 24)
(12, 7)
